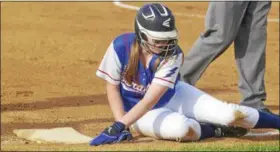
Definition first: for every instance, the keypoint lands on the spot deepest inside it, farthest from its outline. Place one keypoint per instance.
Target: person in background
(245, 24)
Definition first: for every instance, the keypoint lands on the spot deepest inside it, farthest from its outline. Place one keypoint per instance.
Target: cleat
(229, 131)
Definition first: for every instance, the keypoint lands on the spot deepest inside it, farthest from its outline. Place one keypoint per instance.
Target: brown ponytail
(131, 73)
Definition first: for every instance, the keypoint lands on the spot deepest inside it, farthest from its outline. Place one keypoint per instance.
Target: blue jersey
(115, 61)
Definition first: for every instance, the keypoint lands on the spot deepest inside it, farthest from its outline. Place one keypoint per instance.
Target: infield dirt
(51, 50)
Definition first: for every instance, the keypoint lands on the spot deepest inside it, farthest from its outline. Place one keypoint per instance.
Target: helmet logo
(151, 16)
(166, 23)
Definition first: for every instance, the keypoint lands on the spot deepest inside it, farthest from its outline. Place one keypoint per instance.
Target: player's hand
(113, 134)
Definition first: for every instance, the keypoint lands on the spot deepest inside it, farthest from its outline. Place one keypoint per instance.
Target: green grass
(224, 145)
(237, 147)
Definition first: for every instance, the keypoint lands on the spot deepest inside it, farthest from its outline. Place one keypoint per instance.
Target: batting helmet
(155, 28)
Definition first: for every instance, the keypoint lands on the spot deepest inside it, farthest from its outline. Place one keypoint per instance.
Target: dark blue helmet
(155, 28)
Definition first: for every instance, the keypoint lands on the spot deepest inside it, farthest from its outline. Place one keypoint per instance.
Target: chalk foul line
(131, 7)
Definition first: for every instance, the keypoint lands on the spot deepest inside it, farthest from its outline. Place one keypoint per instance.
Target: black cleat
(229, 131)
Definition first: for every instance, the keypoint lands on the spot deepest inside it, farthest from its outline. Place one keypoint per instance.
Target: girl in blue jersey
(141, 70)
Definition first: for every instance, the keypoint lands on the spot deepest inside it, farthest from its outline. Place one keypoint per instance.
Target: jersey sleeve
(167, 71)
(110, 66)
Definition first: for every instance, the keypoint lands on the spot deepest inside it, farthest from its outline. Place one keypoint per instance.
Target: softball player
(141, 70)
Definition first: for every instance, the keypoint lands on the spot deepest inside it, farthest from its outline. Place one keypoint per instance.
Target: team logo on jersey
(133, 87)
(171, 72)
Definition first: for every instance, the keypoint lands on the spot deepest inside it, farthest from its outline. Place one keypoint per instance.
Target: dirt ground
(51, 50)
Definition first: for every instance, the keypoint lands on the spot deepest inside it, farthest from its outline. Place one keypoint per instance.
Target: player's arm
(151, 97)
(109, 70)
(115, 100)
(164, 78)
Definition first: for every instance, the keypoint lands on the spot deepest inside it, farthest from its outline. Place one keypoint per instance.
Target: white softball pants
(179, 119)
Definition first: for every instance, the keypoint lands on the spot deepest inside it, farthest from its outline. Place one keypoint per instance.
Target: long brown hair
(131, 72)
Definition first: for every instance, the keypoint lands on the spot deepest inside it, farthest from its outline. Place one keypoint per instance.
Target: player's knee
(184, 130)
(181, 130)
(234, 116)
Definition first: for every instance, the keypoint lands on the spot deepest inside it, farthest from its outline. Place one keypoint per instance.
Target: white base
(66, 135)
